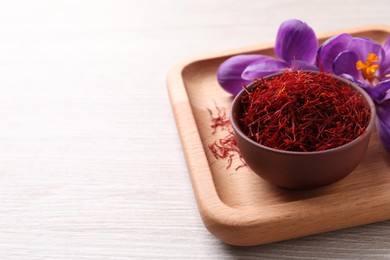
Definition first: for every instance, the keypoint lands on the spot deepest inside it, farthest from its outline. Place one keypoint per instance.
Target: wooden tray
(239, 207)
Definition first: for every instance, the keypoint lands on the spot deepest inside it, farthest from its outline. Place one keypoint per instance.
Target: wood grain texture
(91, 165)
(240, 208)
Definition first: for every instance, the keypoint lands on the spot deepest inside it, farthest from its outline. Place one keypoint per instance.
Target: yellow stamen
(368, 68)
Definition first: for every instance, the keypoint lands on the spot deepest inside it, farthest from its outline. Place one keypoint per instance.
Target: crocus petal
(229, 72)
(345, 63)
(303, 65)
(383, 122)
(386, 98)
(385, 65)
(363, 46)
(352, 79)
(329, 50)
(383, 132)
(386, 45)
(363, 84)
(379, 91)
(264, 67)
(296, 41)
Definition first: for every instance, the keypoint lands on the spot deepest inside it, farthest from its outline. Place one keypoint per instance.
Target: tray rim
(229, 223)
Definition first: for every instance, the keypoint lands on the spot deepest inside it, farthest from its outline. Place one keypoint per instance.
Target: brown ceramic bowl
(301, 170)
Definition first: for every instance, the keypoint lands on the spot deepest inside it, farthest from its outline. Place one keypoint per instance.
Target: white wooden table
(91, 165)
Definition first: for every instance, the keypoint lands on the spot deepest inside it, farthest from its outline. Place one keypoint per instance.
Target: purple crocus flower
(366, 63)
(296, 47)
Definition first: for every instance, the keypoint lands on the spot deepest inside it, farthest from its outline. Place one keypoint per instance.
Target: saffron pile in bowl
(303, 111)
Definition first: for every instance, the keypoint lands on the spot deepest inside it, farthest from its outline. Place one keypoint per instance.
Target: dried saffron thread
(226, 147)
(303, 111)
(220, 120)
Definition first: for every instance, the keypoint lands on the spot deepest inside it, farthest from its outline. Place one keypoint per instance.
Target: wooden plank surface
(242, 209)
(91, 165)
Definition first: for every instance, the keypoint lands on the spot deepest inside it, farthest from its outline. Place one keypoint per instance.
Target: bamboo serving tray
(239, 207)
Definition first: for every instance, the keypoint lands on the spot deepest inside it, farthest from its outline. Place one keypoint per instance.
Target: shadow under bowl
(302, 170)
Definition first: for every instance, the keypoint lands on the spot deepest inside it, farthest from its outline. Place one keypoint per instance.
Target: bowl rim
(353, 85)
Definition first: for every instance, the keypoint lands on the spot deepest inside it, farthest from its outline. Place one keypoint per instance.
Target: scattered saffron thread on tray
(226, 147)
(221, 120)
